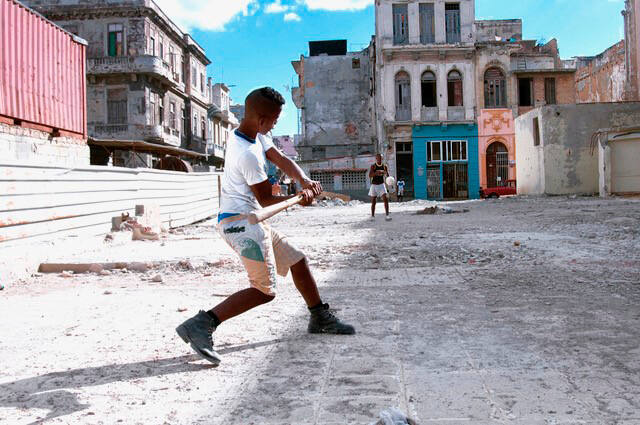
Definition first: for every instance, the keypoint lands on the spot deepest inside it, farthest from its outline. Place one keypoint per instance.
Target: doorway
(404, 166)
(456, 181)
(497, 165)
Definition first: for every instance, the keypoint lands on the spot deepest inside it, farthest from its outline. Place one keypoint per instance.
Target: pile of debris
(440, 209)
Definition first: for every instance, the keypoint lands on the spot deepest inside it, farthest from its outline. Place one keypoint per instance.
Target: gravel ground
(520, 311)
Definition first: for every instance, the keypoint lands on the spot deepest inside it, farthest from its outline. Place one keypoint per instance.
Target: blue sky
(252, 42)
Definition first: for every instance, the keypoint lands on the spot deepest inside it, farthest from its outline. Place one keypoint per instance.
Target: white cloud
(206, 14)
(291, 17)
(336, 5)
(276, 7)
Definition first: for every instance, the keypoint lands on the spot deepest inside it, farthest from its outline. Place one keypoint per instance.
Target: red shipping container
(42, 72)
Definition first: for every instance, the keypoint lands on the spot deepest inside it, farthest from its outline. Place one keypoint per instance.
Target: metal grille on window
(325, 178)
(117, 106)
(502, 165)
(354, 180)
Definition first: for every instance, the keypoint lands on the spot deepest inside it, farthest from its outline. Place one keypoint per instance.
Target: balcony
(429, 114)
(143, 64)
(148, 133)
(455, 113)
(215, 150)
(403, 114)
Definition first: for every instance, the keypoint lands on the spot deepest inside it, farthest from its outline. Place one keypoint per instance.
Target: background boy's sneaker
(197, 332)
(323, 321)
(388, 218)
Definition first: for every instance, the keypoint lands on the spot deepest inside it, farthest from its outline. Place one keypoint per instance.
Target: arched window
(403, 96)
(429, 91)
(454, 88)
(495, 89)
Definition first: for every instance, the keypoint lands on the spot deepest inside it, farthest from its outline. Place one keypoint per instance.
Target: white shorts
(400, 192)
(377, 190)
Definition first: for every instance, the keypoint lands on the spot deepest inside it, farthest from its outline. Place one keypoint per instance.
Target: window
(452, 19)
(152, 46)
(403, 97)
(195, 124)
(115, 40)
(536, 132)
(355, 63)
(400, 24)
(152, 107)
(117, 106)
(325, 178)
(454, 88)
(550, 91)
(495, 89)
(429, 91)
(450, 150)
(354, 180)
(202, 82)
(194, 77)
(203, 128)
(172, 115)
(172, 60)
(161, 49)
(427, 24)
(184, 121)
(160, 110)
(525, 91)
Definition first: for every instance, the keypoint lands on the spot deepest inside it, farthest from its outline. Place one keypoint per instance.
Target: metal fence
(42, 202)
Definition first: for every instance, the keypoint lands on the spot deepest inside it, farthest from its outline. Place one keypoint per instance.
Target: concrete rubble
(457, 323)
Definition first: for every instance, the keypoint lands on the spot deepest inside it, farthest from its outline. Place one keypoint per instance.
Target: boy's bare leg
(306, 284)
(239, 303)
(385, 198)
(373, 206)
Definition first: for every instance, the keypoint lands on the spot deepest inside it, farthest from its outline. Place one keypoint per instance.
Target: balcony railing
(149, 133)
(403, 114)
(455, 113)
(142, 64)
(429, 114)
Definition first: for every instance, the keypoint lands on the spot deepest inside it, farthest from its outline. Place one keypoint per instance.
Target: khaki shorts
(263, 251)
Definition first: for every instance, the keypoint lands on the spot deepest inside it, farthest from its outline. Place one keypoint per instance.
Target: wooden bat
(267, 212)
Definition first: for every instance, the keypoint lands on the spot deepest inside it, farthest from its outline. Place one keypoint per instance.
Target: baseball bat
(262, 214)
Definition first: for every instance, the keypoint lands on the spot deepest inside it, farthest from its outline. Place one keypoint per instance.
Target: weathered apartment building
(222, 121)
(146, 81)
(425, 53)
(335, 96)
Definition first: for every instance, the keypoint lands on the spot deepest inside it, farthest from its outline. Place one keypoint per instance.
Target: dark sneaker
(324, 322)
(198, 331)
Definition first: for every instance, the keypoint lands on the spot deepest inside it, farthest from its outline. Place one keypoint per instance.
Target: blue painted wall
(427, 133)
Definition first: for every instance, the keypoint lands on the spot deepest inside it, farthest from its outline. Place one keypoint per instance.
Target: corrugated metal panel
(38, 201)
(42, 71)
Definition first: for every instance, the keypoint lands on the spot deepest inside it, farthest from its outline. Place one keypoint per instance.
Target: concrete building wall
(498, 30)
(19, 145)
(565, 162)
(337, 110)
(602, 78)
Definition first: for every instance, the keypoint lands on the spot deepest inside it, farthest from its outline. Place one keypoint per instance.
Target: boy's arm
(372, 173)
(293, 170)
(265, 197)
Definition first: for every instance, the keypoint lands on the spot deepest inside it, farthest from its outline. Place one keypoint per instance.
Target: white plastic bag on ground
(393, 416)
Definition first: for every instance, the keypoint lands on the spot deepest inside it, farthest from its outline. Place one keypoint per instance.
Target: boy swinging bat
(262, 250)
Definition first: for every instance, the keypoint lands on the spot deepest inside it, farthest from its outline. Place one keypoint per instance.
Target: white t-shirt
(245, 164)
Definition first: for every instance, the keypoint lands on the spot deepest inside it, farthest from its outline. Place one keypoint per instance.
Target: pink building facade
(496, 147)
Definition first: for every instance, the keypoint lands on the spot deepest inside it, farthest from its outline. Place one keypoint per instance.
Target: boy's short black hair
(268, 93)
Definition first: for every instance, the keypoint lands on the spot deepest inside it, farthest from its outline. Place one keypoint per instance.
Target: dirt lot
(520, 311)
